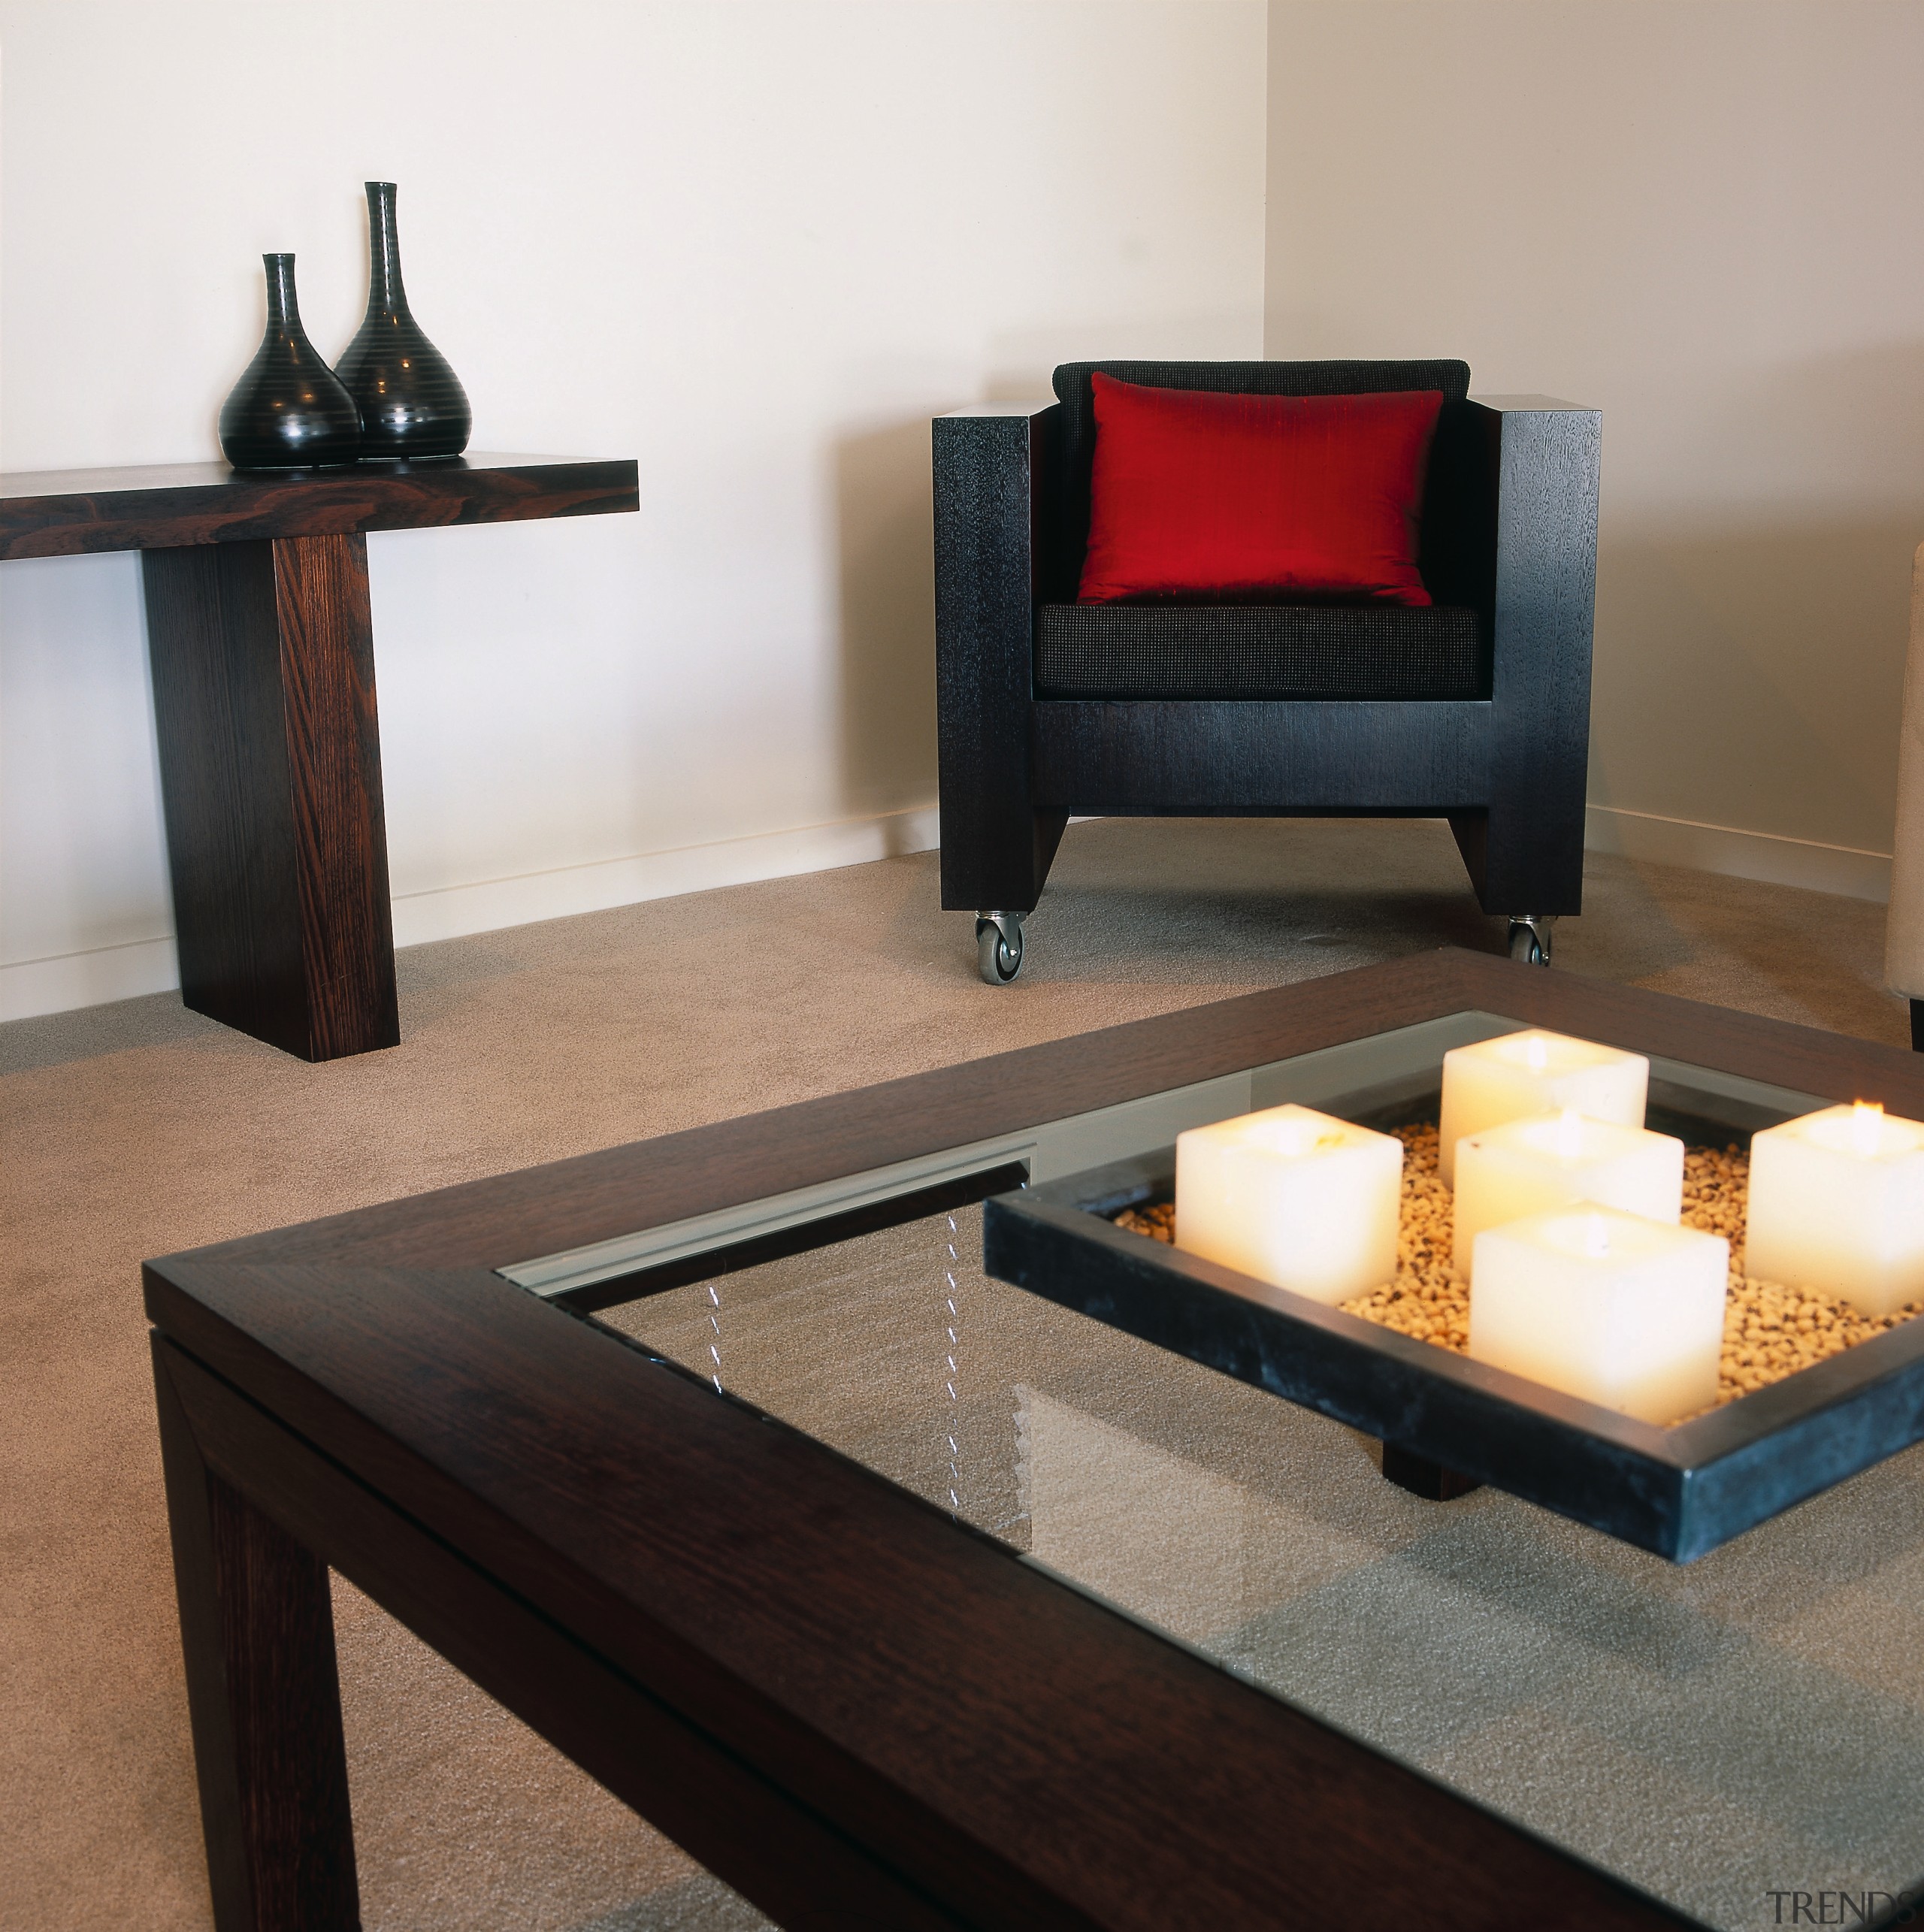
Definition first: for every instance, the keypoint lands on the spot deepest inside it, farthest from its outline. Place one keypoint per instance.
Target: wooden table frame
(262, 638)
(852, 1709)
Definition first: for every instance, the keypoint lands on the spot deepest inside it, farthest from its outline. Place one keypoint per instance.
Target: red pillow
(1255, 498)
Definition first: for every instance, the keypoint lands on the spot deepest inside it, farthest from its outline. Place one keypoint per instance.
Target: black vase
(288, 411)
(411, 403)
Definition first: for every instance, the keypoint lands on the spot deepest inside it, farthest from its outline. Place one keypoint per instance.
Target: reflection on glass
(1750, 1723)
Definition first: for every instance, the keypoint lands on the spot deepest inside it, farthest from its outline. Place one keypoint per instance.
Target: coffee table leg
(264, 1697)
(270, 776)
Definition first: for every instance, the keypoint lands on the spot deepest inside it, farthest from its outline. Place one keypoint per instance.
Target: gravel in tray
(1769, 1331)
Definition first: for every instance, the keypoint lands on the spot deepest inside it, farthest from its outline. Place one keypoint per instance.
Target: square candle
(1295, 1198)
(1555, 1160)
(1836, 1202)
(1620, 1310)
(1517, 1075)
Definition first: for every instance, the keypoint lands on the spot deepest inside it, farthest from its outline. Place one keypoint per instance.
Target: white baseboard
(449, 912)
(56, 984)
(91, 978)
(1842, 869)
(65, 981)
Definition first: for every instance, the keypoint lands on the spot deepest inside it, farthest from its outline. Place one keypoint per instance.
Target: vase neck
(385, 296)
(282, 308)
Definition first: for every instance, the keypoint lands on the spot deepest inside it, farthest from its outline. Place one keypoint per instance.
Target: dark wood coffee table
(850, 1704)
(261, 637)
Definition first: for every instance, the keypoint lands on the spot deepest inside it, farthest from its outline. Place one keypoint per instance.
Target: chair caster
(1530, 937)
(999, 946)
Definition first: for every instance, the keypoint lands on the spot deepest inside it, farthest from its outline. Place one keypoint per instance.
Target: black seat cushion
(1257, 651)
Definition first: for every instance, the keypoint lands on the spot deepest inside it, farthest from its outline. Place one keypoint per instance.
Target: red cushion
(1198, 496)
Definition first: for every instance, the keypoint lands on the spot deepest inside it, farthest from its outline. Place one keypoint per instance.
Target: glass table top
(1724, 1735)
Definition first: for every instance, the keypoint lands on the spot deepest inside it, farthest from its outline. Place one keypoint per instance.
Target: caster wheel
(998, 946)
(1529, 940)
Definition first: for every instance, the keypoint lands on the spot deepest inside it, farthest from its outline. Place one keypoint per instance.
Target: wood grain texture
(989, 469)
(270, 781)
(1011, 1751)
(67, 512)
(263, 1694)
(1509, 530)
(1544, 459)
(334, 760)
(544, 1209)
(783, 1854)
(594, 1197)
(787, 1662)
(1001, 1750)
(1262, 758)
(261, 639)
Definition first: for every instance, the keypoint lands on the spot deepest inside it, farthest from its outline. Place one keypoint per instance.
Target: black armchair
(1475, 709)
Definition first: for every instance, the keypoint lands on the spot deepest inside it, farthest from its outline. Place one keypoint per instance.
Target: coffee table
(261, 635)
(902, 1598)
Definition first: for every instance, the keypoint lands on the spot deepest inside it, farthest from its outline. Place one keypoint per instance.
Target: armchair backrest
(1450, 554)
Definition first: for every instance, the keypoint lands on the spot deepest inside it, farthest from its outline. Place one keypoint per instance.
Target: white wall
(755, 247)
(1706, 217)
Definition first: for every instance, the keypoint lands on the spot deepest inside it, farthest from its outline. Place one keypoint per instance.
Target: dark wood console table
(262, 638)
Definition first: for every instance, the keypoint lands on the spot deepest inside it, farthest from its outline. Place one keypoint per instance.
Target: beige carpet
(137, 1129)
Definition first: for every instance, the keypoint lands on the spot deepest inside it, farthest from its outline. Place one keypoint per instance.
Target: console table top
(68, 513)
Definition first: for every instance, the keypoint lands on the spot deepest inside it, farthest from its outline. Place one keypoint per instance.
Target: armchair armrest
(991, 464)
(1539, 473)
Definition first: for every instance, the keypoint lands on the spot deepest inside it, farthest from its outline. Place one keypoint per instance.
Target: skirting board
(69, 980)
(1843, 870)
(90, 978)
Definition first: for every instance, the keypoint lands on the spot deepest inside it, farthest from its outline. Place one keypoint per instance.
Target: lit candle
(1836, 1202)
(1517, 1075)
(1619, 1310)
(1528, 1167)
(1295, 1198)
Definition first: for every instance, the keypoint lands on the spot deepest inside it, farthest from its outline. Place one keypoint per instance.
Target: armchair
(1475, 709)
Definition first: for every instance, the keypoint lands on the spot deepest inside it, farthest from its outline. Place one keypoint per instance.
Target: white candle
(1836, 1202)
(1554, 1160)
(1295, 1198)
(1517, 1075)
(1619, 1310)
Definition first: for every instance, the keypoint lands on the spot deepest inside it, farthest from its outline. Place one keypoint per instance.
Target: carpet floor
(138, 1129)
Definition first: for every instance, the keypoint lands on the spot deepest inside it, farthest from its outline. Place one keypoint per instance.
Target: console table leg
(270, 776)
(264, 1697)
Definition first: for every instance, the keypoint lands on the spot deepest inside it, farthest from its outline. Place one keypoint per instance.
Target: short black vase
(289, 411)
(411, 404)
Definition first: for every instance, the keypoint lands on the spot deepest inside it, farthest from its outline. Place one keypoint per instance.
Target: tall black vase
(411, 403)
(288, 411)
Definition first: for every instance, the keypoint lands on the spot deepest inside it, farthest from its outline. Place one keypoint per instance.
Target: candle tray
(1448, 1423)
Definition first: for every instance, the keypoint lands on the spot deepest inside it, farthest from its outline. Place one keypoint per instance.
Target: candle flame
(1866, 1125)
(1569, 1134)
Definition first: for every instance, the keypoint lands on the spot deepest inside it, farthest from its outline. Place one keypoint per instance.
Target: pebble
(1769, 1331)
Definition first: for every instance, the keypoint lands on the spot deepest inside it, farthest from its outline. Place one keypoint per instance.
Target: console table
(261, 638)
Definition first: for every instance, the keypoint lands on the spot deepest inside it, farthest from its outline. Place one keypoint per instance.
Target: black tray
(1679, 1491)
